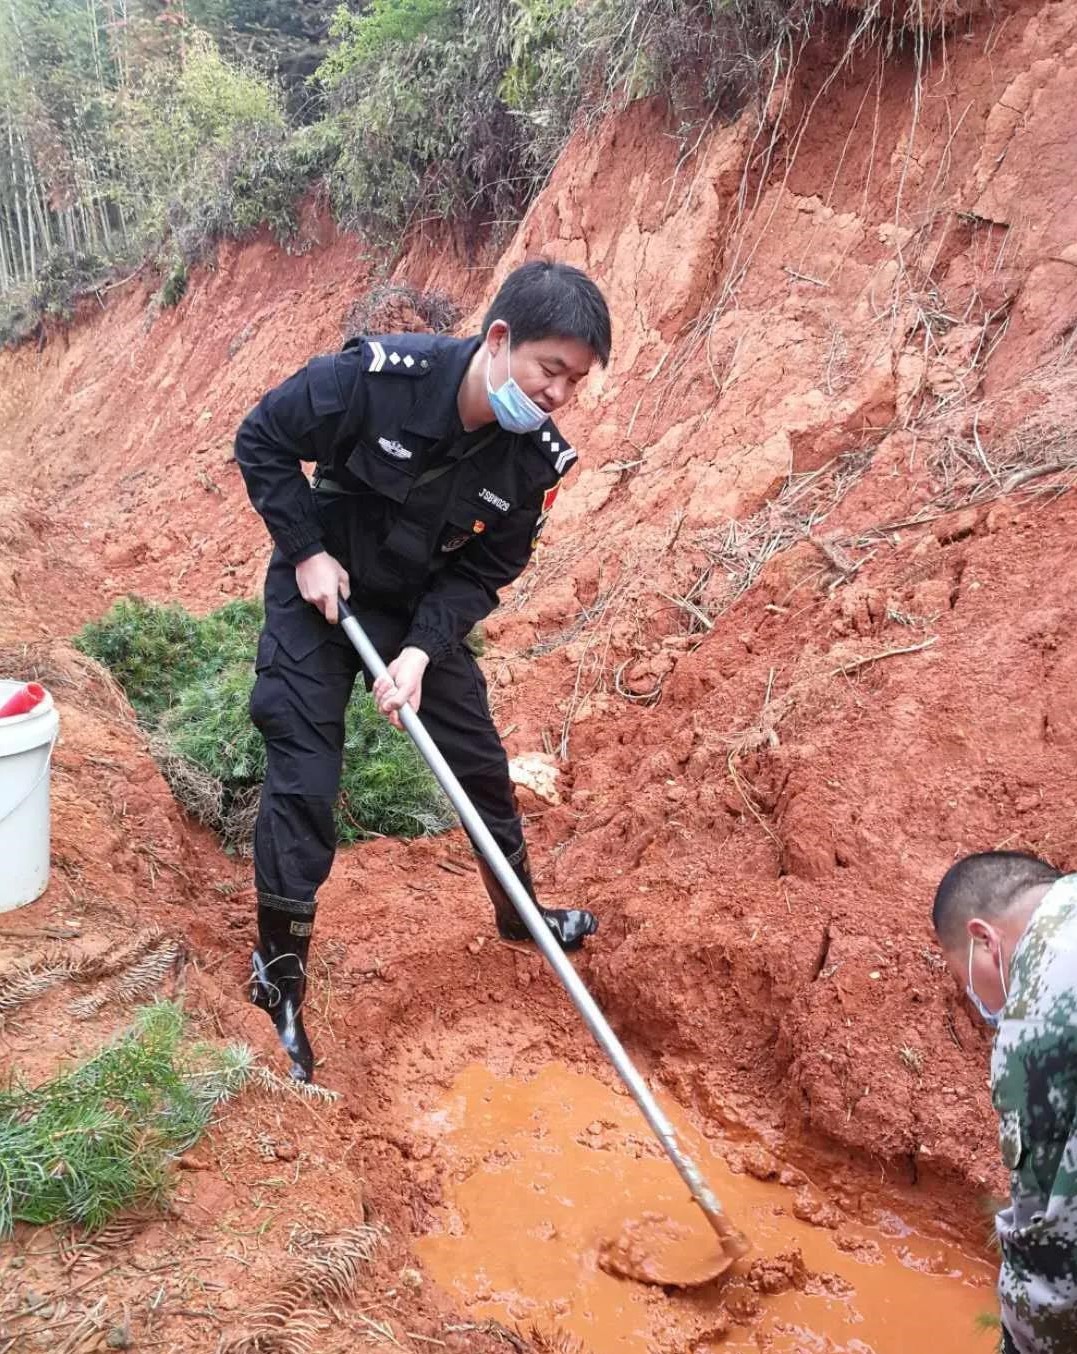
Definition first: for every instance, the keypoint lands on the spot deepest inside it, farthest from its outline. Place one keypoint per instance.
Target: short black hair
(985, 885)
(543, 299)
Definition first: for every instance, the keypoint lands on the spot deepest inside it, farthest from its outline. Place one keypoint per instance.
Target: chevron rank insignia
(558, 450)
(385, 356)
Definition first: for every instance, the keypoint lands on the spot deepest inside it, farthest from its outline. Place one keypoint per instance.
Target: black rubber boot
(570, 926)
(279, 981)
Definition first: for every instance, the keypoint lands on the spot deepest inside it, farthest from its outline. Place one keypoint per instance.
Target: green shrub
(98, 1138)
(190, 682)
(459, 108)
(210, 155)
(379, 32)
(230, 634)
(209, 727)
(156, 651)
(424, 131)
(386, 789)
(152, 651)
(160, 145)
(62, 276)
(174, 284)
(233, 190)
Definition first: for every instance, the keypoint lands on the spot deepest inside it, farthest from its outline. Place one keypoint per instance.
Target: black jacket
(427, 519)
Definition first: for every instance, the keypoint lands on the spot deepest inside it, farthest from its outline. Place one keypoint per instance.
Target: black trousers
(299, 708)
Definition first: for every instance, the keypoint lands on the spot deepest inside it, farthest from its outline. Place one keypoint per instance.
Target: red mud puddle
(539, 1173)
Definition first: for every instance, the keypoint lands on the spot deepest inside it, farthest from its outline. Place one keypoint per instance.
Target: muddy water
(540, 1173)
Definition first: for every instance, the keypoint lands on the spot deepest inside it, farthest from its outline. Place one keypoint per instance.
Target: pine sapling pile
(189, 681)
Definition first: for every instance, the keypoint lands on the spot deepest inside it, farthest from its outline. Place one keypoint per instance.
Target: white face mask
(516, 411)
(993, 1018)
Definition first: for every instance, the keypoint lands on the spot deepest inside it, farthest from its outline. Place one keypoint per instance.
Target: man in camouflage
(1008, 925)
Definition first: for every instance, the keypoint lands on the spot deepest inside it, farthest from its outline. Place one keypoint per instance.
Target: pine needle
(88, 1329)
(146, 975)
(142, 977)
(331, 1263)
(100, 1137)
(330, 1268)
(29, 980)
(189, 680)
(113, 959)
(531, 1341)
(556, 1341)
(275, 1084)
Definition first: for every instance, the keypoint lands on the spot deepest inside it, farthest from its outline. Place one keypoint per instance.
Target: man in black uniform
(437, 464)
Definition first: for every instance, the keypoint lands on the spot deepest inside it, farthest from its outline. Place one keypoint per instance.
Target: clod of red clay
(778, 1273)
(709, 1340)
(743, 1306)
(809, 1206)
(864, 1248)
(758, 1162)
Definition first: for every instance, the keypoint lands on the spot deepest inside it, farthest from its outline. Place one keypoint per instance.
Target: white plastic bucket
(26, 744)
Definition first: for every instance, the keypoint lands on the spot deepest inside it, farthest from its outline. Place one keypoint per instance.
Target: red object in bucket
(23, 701)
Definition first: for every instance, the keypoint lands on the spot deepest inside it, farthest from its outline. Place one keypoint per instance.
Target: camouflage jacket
(1034, 1088)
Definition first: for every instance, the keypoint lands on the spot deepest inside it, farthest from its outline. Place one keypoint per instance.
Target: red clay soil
(874, 286)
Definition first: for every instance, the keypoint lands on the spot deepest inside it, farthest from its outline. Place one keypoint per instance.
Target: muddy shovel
(642, 1251)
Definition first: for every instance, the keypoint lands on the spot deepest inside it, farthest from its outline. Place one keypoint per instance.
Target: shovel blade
(655, 1249)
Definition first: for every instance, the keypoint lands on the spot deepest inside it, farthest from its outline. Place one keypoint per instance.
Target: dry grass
(1036, 457)
(741, 549)
(115, 959)
(326, 1269)
(139, 974)
(136, 969)
(552, 1342)
(619, 607)
(230, 812)
(62, 669)
(913, 1059)
(398, 307)
(268, 1080)
(549, 563)
(80, 1247)
(31, 977)
(763, 732)
(531, 1341)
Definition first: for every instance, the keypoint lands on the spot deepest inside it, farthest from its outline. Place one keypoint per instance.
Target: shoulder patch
(323, 382)
(554, 447)
(397, 355)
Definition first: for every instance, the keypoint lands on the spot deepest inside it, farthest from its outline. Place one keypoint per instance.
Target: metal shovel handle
(733, 1241)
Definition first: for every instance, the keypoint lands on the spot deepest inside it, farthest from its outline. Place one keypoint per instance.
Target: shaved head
(986, 885)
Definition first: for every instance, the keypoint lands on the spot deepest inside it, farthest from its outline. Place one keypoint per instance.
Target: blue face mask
(513, 409)
(992, 1018)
